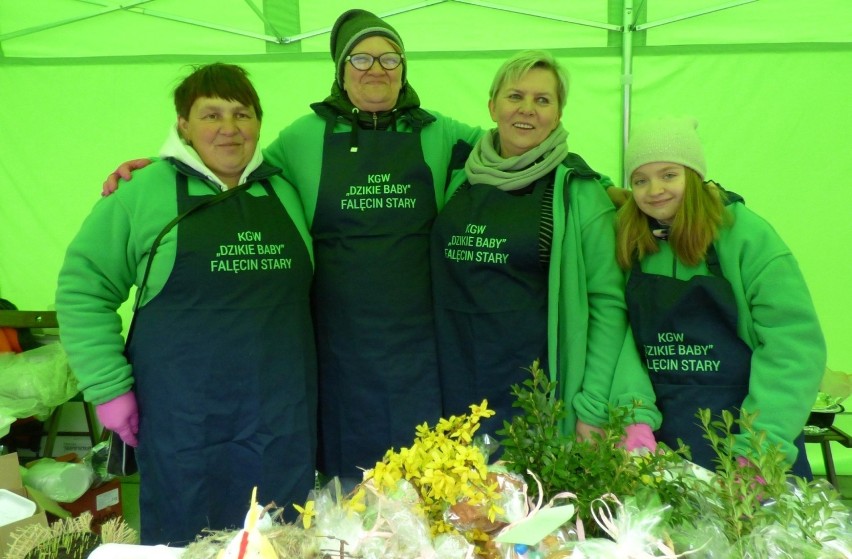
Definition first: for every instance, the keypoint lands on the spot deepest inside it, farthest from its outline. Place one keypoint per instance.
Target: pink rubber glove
(639, 435)
(744, 463)
(124, 171)
(122, 416)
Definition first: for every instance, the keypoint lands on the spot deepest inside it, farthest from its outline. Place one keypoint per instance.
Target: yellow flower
(356, 503)
(307, 513)
(443, 467)
(481, 410)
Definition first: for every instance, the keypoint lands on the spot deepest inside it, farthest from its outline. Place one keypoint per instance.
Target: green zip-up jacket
(587, 315)
(298, 148)
(776, 319)
(108, 256)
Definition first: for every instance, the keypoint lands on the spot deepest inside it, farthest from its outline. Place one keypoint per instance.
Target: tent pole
(693, 14)
(626, 81)
(51, 25)
(315, 32)
(429, 3)
(133, 7)
(259, 13)
(208, 25)
(199, 23)
(627, 34)
(565, 19)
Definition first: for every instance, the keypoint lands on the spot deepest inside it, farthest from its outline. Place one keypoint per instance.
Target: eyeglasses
(364, 61)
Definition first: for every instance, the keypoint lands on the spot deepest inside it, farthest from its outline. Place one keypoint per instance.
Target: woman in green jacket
(370, 166)
(718, 306)
(522, 259)
(217, 381)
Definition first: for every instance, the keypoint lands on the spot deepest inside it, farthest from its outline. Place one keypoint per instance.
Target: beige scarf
(486, 166)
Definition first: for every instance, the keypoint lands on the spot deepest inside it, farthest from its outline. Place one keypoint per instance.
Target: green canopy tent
(86, 84)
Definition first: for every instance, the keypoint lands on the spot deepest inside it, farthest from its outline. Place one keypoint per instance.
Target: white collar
(176, 147)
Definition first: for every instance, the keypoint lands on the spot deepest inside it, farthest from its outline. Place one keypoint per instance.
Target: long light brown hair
(695, 226)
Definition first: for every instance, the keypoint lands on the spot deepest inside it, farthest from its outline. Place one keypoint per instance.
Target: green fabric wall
(769, 83)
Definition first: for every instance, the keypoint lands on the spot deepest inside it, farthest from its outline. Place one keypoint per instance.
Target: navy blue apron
(490, 290)
(686, 332)
(372, 298)
(225, 370)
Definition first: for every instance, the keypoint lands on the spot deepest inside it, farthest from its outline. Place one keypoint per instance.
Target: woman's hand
(585, 432)
(121, 415)
(617, 195)
(639, 435)
(124, 171)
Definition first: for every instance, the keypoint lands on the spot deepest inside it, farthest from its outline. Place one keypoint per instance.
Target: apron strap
(267, 186)
(711, 258)
(329, 124)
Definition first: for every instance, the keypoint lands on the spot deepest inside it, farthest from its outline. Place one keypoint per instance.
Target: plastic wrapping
(34, 382)
(336, 525)
(636, 533)
(512, 500)
(5, 422)
(828, 521)
(452, 546)
(512, 489)
(776, 542)
(374, 525)
(61, 481)
(487, 445)
(706, 541)
(557, 545)
(836, 386)
(809, 521)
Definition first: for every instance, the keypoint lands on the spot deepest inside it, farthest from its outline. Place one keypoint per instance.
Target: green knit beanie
(670, 139)
(352, 27)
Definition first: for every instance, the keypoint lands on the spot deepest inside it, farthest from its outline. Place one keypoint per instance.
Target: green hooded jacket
(776, 319)
(587, 315)
(298, 148)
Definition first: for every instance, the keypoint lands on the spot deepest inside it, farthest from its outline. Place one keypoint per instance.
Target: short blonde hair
(515, 67)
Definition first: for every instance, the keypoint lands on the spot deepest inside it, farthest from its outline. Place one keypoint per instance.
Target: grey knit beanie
(671, 139)
(352, 27)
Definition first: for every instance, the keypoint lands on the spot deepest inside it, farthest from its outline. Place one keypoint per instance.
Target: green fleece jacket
(298, 148)
(776, 319)
(108, 257)
(587, 315)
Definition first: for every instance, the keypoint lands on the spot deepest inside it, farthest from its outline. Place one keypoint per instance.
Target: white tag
(107, 499)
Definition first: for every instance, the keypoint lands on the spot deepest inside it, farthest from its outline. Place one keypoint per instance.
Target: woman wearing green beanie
(370, 165)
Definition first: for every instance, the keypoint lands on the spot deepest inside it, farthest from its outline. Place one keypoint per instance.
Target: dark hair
(226, 81)
(696, 224)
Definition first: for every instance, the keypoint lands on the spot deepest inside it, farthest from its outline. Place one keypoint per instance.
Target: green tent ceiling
(95, 28)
